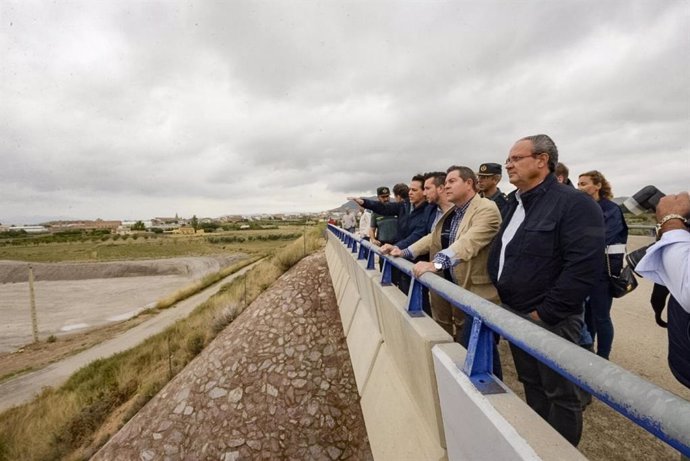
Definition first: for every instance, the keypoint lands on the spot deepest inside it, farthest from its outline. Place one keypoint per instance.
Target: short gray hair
(542, 143)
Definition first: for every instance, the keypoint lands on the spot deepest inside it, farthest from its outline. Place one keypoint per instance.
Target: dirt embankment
(16, 271)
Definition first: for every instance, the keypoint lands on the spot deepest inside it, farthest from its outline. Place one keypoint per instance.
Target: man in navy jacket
(412, 213)
(413, 218)
(543, 262)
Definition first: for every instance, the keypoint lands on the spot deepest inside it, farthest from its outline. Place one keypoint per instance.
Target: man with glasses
(543, 261)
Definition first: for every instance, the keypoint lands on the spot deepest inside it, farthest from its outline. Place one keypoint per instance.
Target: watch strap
(668, 218)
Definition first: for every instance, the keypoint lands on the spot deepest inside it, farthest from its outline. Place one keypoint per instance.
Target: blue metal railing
(657, 410)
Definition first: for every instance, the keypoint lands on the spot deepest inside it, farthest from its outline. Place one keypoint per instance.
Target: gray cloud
(148, 108)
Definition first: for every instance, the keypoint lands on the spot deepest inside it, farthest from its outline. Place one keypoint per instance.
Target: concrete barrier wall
(493, 426)
(416, 402)
(403, 421)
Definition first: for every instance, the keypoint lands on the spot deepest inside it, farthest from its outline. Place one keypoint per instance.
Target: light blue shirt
(668, 263)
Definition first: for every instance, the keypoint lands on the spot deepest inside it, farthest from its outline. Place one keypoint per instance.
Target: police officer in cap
(383, 229)
(489, 175)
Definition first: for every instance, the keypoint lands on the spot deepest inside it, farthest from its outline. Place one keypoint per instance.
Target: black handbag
(622, 284)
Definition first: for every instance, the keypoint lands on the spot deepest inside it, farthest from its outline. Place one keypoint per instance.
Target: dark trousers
(679, 341)
(552, 396)
(404, 281)
(598, 317)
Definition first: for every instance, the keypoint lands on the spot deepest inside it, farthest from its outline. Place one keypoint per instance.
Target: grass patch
(68, 423)
(198, 285)
(254, 241)
(38, 355)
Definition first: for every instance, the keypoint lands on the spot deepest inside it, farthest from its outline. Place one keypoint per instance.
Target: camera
(646, 199)
(634, 257)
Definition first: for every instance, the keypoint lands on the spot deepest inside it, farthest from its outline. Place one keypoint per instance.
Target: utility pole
(32, 297)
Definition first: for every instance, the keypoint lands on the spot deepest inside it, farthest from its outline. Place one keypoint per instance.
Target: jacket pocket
(539, 239)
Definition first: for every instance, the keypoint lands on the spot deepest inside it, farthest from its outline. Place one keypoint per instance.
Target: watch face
(438, 266)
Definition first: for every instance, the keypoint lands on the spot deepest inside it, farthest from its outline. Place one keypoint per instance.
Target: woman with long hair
(598, 304)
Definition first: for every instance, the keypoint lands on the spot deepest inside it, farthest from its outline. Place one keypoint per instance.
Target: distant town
(168, 225)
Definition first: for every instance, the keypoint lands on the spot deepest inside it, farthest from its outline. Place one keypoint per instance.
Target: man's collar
(539, 189)
(462, 208)
(547, 180)
(463, 205)
(491, 195)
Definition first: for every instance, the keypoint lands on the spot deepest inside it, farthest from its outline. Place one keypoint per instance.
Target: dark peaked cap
(489, 169)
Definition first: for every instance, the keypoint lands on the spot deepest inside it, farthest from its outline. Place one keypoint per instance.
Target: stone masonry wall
(277, 383)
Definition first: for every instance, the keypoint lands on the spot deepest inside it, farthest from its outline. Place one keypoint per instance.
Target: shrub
(195, 344)
(224, 318)
(298, 249)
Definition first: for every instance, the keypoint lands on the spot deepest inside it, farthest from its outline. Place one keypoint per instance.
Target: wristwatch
(438, 266)
(666, 219)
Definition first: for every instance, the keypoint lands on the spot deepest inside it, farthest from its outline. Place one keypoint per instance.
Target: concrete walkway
(277, 383)
(23, 388)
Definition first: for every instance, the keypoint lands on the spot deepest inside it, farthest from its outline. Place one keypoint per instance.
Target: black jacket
(555, 256)
(679, 341)
(412, 225)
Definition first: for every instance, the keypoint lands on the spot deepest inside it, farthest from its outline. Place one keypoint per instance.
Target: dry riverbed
(76, 297)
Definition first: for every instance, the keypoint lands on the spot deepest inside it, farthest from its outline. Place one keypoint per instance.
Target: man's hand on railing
(395, 251)
(388, 249)
(422, 267)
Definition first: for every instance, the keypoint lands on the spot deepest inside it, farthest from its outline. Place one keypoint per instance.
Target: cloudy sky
(133, 109)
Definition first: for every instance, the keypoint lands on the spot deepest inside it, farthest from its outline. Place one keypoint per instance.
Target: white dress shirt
(667, 263)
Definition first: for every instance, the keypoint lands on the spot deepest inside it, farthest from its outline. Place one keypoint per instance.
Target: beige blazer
(471, 246)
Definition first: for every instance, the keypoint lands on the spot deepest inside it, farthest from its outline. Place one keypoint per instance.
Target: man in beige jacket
(459, 245)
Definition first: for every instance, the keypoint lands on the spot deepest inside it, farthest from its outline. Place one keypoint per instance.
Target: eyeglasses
(517, 158)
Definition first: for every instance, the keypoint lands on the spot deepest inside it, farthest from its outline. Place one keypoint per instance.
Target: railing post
(354, 245)
(386, 276)
(479, 361)
(362, 252)
(371, 256)
(415, 299)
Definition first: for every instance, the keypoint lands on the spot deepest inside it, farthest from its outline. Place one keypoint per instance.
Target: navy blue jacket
(616, 232)
(412, 225)
(430, 218)
(555, 256)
